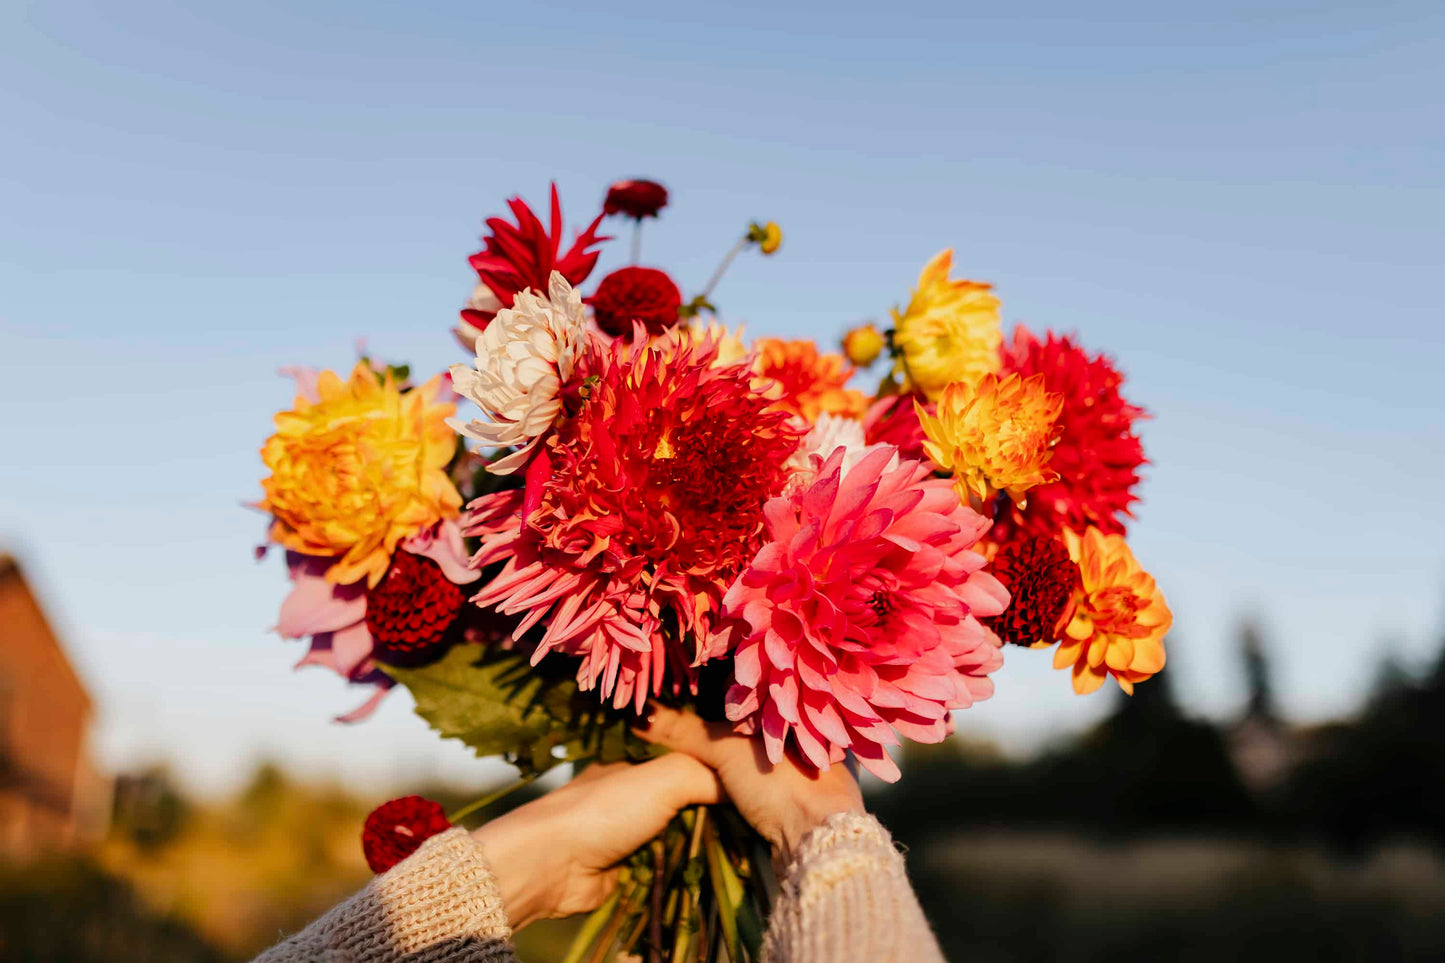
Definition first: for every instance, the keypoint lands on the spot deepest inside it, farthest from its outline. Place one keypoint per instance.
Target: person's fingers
(678, 779)
(713, 743)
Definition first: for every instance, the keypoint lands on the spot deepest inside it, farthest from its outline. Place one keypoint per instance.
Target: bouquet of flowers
(645, 506)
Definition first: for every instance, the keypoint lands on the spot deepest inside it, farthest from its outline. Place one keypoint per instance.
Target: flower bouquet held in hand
(617, 501)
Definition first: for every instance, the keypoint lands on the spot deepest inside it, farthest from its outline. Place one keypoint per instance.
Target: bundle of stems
(698, 893)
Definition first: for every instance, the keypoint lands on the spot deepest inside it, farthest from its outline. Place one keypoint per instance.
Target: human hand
(782, 801)
(558, 855)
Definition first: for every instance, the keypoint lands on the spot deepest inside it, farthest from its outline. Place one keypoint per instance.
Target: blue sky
(1241, 201)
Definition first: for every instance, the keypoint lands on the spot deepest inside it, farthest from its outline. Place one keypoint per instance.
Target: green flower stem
(490, 798)
(727, 893)
(591, 927)
(722, 268)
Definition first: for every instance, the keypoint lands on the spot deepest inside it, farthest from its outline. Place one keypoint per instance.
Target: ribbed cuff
(846, 897)
(439, 905)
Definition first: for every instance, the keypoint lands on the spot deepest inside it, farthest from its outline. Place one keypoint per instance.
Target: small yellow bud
(863, 345)
(768, 237)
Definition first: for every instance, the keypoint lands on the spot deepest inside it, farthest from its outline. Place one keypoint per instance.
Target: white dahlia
(829, 433)
(524, 357)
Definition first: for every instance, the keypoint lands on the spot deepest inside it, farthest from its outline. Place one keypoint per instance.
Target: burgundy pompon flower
(636, 294)
(396, 829)
(1040, 577)
(411, 609)
(635, 198)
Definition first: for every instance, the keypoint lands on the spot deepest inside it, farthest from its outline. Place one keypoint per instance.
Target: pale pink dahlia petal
(858, 621)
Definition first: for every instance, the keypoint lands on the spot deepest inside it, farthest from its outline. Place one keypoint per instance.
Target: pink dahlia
(859, 619)
(335, 617)
(649, 504)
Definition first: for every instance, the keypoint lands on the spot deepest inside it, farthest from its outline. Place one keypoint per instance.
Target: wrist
(519, 867)
(807, 816)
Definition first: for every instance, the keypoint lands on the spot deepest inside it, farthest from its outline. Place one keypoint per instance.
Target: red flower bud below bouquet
(636, 294)
(396, 829)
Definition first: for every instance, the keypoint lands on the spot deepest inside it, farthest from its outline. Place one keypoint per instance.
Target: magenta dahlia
(858, 621)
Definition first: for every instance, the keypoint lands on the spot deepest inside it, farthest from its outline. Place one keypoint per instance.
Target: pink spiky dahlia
(650, 504)
(859, 618)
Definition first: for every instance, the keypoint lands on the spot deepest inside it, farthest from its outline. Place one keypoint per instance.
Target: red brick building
(51, 796)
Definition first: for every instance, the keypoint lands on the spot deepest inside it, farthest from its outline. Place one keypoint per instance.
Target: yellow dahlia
(1119, 615)
(994, 435)
(358, 468)
(949, 332)
(805, 382)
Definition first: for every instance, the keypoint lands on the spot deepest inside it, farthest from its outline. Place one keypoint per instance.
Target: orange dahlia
(949, 331)
(993, 435)
(652, 505)
(357, 468)
(1098, 455)
(1119, 618)
(805, 382)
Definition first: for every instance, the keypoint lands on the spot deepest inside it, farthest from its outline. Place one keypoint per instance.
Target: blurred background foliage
(1153, 835)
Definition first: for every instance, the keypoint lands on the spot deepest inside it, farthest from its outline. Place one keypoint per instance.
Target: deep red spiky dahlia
(524, 255)
(652, 507)
(636, 294)
(1098, 454)
(1040, 577)
(893, 420)
(397, 828)
(635, 198)
(410, 611)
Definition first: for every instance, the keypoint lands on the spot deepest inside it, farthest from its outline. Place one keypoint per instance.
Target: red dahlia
(636, 294)
(524, 255)
(1040, 577)
(1098, 455)
(410, 610)
(396, 829)
(893, 420)
(637, 199)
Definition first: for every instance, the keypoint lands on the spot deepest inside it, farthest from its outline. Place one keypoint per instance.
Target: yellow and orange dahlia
(357, 468)
(805, 382)
(1119, 617)
(994, 435)
(949, 332)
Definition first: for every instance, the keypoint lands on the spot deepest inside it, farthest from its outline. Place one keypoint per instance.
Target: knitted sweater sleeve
(844, 899)
(439, 905)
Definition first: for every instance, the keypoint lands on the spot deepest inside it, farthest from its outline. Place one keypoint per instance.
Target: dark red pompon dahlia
(636, 199)
(411, 609)
(396, 829)
(1040, 578)
(636, 293)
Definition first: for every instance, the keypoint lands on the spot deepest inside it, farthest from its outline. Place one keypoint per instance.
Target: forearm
(846, 899)
(440, 905)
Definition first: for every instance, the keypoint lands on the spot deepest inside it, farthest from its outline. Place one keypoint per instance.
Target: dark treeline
(1150, 768)
(1156, 835)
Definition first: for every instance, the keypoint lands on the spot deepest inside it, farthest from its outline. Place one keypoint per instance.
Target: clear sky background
(1242, 201)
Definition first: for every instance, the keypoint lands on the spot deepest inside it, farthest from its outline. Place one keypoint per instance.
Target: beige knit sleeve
(439, 905)
(846, 899)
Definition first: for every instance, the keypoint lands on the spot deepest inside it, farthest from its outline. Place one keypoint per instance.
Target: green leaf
(533, 716)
